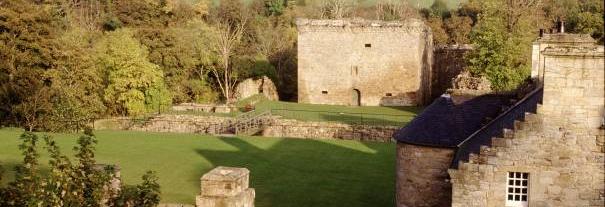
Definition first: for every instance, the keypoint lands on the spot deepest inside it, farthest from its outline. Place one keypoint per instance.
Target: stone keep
(562, 147)
(226, 187)
(361, 62)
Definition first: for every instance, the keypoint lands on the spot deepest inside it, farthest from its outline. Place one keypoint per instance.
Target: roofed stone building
(545, 149)
(363, 62)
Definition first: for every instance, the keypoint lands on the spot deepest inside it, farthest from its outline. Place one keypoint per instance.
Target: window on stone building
(324, 92)
(517, 189)
(368, 45)
(389, 94)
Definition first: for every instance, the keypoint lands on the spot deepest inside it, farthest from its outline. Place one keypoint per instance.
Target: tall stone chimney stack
(571, 69)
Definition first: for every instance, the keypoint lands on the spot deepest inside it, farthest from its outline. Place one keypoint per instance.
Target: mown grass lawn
(365, 115)
(284, 172)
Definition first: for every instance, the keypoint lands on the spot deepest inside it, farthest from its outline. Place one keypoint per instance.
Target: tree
(337, 9)
(587, 17)
(439, 8)
(134, 85)
(388, 10)
(230, 22)
(458, 27)
(75, 83)
(502, 40)
(440, 36)
(27, 33)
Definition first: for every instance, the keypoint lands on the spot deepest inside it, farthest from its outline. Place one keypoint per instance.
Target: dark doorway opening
(356, 97)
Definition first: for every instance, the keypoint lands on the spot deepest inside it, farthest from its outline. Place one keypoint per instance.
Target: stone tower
(363, 62)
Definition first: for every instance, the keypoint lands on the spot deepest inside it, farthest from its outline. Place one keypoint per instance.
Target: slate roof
(445, 124)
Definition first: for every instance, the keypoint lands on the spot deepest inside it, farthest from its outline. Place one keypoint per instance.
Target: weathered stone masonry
(559, 150)
(561, 147)
(351, 62)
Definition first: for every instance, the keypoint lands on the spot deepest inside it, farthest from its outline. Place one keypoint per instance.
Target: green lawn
(368, 115)
(284, 172)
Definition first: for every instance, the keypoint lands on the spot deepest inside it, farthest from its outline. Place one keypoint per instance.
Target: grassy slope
(284, 172)
(374, 115)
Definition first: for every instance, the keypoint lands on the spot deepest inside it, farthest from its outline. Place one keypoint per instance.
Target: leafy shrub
(72, 184)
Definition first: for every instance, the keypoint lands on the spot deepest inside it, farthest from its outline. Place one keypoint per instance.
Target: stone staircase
(488, 155)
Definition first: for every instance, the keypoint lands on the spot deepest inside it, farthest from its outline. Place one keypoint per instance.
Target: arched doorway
(356, 99)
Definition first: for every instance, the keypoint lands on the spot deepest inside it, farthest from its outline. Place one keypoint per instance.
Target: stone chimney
(571, 69)
(226, 187)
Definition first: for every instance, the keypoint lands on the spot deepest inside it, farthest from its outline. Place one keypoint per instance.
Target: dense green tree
(75, 82)
(587, 17)
(134, 85)
(502, 40)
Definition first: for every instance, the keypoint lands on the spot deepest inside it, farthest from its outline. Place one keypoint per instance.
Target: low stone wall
(277, 128)
(164, 123)
(324, 130)
(208, 108)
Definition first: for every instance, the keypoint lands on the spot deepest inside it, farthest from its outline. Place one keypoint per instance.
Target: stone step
(540, 109)
(531, 118)
(473, 158)
(508, 133)
(519, 125)
(501, 142)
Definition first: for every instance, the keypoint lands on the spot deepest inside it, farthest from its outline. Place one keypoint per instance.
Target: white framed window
(517, 189)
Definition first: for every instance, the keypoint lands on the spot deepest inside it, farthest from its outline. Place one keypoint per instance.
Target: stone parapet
(226, 187)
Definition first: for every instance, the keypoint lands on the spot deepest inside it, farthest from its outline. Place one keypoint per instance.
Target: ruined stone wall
(562, 147)
(324, 130)
(389, 63)
(422, 179)
(448, 62)
(164, 123)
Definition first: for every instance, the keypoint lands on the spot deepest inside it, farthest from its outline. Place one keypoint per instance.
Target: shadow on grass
(296, 172)
(369, 119)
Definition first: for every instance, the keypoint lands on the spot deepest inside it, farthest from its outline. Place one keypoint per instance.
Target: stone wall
(422, 179)
(566, 167)
(343, 62)
(164, 123)
(448, 62)
(325, 130)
